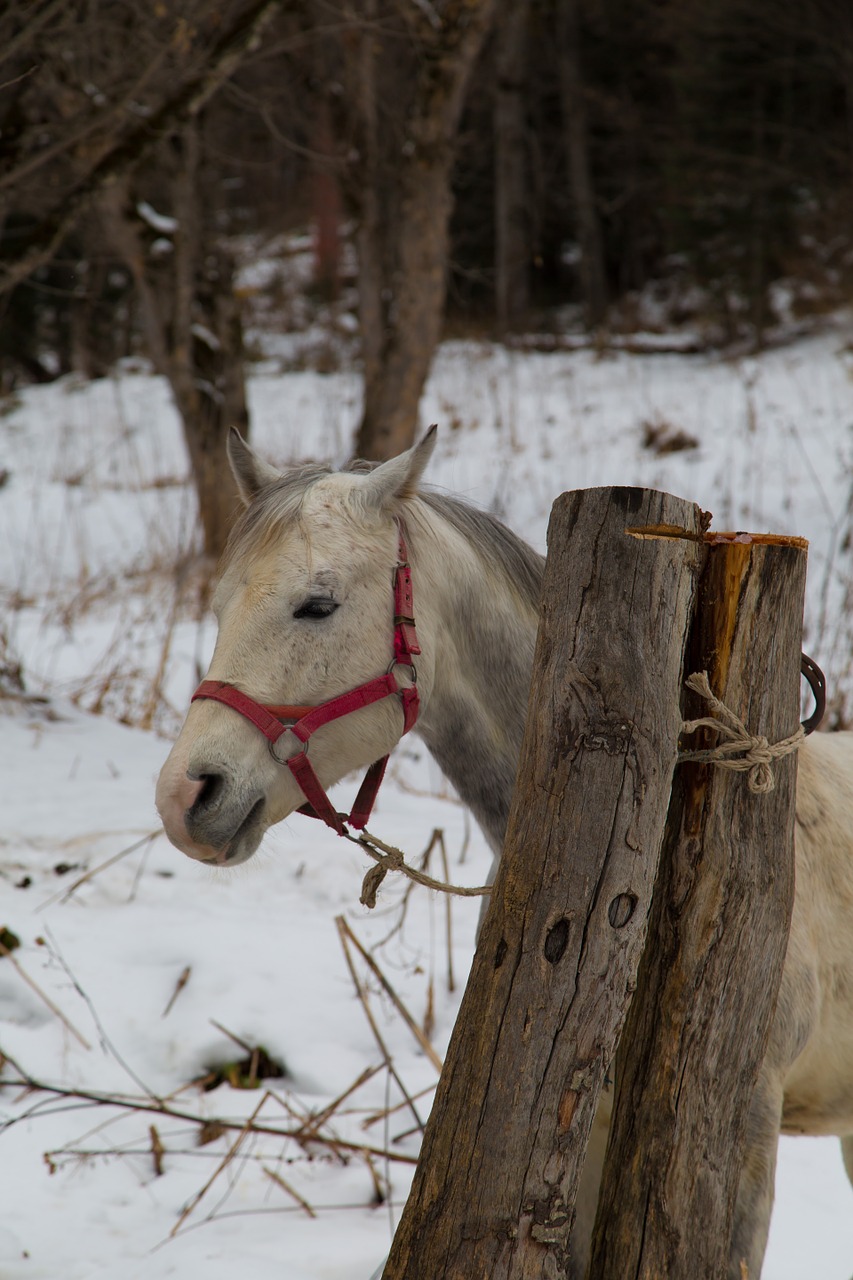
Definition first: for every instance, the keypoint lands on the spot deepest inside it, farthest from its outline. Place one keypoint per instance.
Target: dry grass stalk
(291, 1191)
(223, 1164)
(241, 1044)
(44, 997)
(345, 935)
(376, 1116)
(106, 1042)
(66, 893)
(157, 1150)
(448, 901)
(429, 1012)
(183, 979)
(380, 1189)
(344, 929)
(124, 1102)
(154, 694)
(307, 1132)
(319, 1118)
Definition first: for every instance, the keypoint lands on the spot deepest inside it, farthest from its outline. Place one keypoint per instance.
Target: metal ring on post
(817, 684)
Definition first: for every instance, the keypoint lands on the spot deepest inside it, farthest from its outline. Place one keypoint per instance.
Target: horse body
(305, 613)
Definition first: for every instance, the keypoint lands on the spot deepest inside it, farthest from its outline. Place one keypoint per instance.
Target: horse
(315, 603)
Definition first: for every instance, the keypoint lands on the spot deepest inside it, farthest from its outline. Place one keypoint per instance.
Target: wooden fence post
(495, 1187)
(698, 1027)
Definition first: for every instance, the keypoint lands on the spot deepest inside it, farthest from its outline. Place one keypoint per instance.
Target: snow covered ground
(102, 607)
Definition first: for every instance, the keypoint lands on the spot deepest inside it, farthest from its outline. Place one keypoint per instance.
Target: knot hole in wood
(621, 909)
(556, 941)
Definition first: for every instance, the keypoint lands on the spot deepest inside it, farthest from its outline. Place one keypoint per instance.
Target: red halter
(301, 721)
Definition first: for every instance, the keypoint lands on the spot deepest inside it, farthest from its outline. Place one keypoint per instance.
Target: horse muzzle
(210, 816)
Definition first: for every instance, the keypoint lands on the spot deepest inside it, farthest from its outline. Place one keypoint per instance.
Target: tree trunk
(698, 1027)
(592, 271)
(512, 183)
(124, 232)
(411, 229)
(494, 1190)
(206, 356)
(193, 331)
(411, 332)
(371, 248)
(325, 190)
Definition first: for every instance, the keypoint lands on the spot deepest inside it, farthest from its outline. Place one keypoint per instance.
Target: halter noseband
(274, 721)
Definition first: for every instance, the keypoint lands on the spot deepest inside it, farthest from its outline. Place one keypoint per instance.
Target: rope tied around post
(738, 749)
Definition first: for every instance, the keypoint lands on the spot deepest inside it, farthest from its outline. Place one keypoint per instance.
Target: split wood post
(698, 1027)
(494, 1191)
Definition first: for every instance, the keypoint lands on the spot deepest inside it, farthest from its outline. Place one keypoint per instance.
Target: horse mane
(497, 544)
(281, 502)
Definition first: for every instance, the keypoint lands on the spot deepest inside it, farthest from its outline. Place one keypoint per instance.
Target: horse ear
(394, 481)
(251, 472)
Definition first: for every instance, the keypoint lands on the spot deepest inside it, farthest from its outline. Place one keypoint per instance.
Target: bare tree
(408, 65)
(512, 214)
(92, 91)
(587, 224)
(183, 273)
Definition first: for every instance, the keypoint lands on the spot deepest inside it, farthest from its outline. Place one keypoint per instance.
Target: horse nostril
(212, 785)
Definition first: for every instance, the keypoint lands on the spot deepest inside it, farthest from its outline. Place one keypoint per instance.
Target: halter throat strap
(274, 720)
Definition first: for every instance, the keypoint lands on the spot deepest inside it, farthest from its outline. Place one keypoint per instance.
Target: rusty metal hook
(817, 684)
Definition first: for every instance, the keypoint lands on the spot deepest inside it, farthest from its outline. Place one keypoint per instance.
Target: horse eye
(316, 609)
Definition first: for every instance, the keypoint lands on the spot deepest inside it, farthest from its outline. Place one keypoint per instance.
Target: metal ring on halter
(288, 728)
(410, 666)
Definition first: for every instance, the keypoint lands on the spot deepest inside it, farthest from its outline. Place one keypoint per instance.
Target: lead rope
(388, 858)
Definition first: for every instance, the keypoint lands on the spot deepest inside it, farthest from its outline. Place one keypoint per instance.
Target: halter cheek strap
(273, 721)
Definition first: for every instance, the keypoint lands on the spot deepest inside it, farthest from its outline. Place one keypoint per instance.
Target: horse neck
(484, 630)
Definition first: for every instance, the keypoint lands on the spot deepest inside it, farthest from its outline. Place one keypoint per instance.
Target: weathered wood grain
(494, 1192)
(708, 982)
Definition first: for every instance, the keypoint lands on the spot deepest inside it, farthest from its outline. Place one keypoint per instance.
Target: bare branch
(34, 24)
(126, 155)
(98, 121)
(126, 1103)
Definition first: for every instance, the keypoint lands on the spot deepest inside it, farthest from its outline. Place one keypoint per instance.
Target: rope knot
(385, 862)
(737, 749)
(387, 858)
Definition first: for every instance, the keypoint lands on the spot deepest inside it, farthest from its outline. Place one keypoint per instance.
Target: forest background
(578, 170)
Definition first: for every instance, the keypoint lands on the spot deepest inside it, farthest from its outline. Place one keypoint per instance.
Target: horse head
(306, 613)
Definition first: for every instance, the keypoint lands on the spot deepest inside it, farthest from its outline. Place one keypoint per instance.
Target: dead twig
(223, 1164)
(451, 982)
(106, 1042)
(157, 1150)
(344, 933)
(317, 1120)
(148, 1106)
(183, 979)
(376, 1116)
(291, 1191)
(241, 1044)
(66, 893)
(416, 1031)
(44, 997)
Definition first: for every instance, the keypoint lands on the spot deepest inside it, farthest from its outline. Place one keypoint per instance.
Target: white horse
(306, 612)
